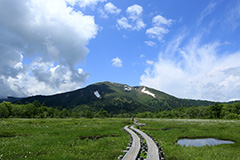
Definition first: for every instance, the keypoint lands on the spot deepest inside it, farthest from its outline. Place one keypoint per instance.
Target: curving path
(152, 153)
(135, 148)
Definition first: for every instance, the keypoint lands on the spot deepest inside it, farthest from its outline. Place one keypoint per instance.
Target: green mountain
(116, 98)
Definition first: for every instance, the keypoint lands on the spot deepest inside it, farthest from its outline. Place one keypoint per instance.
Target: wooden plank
(135, 148)
(152, 153)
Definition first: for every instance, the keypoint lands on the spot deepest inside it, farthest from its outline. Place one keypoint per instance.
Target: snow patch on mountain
(147, 92)
(96, 93)
(127, 88)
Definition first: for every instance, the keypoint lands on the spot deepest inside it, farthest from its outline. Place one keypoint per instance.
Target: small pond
(202, 142)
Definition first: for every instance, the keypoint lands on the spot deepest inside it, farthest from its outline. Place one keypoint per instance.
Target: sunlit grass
(167, 132)
(62, 138)
(89, 139)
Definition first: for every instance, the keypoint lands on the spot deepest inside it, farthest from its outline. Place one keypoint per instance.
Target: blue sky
(187, 48)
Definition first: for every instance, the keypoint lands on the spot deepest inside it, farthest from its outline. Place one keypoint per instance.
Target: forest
(38, 110)
(216, 111)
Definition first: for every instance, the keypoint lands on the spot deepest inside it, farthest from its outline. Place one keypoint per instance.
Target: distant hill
(116, 98)
(1, 100)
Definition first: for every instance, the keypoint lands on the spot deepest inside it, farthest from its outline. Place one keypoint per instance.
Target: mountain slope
(116, 98)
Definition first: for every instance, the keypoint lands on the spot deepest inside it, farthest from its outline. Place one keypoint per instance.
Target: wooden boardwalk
(152, 153)
(133, 152)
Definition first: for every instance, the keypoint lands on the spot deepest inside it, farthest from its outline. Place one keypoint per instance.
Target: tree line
(38, 110)
(216, 111)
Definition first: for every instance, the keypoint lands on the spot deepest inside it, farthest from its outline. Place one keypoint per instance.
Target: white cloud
(134, 19)
(157, 32)
(150, 43)
(160, 20)
(123, 23)
(149, 62)
(112, 9)
(208, 10)
(139, 25)
(47, 79)
(196, 72)
(102, 13)
(108, 8)
(34, 28)
(88, 3)
(52, 79)
(116, 62)
(233, 17)
(159, 28)
(134, 11)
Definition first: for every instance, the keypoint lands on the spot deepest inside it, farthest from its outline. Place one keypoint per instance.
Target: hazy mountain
(1, 100)
(116, 98)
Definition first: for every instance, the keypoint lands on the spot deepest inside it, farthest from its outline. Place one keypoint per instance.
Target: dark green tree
(88, 113)
(4, 113)
(18, 111)
(64, 113)
(102, 113)
(215, 111)
(29, 110)
(36, 103)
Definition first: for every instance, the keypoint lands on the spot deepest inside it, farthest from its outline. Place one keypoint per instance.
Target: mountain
(1, 100)
(116, 98)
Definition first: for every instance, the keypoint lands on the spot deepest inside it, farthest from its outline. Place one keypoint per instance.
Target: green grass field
(85, 139)
(167, 132)
(103, 139)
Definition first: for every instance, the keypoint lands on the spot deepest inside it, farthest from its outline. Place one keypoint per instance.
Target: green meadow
(103, 139)
(85, 139)
(167, 131)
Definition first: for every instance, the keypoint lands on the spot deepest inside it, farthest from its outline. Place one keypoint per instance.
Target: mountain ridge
(115, 98)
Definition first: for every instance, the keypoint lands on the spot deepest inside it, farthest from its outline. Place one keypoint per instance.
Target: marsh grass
(166, 132)
(85, 139)
(103, 139)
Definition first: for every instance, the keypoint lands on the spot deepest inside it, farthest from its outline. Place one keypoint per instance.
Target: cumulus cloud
(108, 8)
(58, 35)
(197, 71)
(133, 20)
(134, 11)
(160, 20)
(116, 62)
(112, 9)
(157, 32)
(123, 23)
(58, 77)
(47, 79)
(159, 28)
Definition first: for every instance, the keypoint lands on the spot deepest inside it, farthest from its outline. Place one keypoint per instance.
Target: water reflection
(202, 142)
